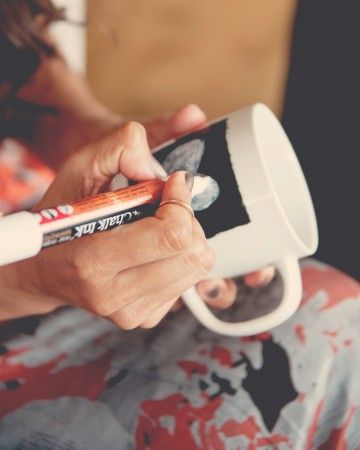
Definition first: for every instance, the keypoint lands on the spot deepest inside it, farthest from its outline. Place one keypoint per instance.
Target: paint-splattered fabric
(74, 381)
(23, 177)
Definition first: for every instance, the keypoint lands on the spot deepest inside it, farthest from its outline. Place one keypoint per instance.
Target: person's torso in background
(147, 58)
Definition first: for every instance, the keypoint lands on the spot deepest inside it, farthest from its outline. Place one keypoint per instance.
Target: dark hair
(21, 43)
(22, 47)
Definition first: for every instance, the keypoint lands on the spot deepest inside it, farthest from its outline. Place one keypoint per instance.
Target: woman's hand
(131, 274)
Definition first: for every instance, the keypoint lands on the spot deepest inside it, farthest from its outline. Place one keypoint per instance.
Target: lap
(74, 381)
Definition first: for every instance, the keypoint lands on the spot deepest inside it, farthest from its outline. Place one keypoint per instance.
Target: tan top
(148, 57)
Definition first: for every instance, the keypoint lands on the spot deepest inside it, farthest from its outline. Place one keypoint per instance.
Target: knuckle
(176, 236)
(138, 313)
(88, 262)
(131, 129)
(105, 300)
(93, 294)
(96, 299)
(100, 307)
(209, 259)
(125, 294)
(128, 322)
(200, 256)
(151, 323)
(195, 253)
(82, 266)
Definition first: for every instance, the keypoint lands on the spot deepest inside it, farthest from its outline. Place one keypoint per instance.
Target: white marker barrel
(20, 237)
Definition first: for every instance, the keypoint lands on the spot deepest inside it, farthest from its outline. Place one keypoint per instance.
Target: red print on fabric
(257, 337)
(221, 355)
(191, 368)
(335, 341)
(337, 439)
(151, 433)
(176, 423)
(192, 427)
(339, 287)
(249, 429)
(43, 382)
(314, 427)
(300, 333)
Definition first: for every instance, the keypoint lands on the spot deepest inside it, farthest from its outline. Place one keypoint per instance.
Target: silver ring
(179, 203)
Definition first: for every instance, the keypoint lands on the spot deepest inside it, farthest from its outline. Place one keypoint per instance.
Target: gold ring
(179, 203)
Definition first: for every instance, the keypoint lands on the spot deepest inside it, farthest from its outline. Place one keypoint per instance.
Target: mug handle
(289, 270)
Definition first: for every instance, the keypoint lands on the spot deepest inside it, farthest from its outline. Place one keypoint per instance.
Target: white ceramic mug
(256, 207)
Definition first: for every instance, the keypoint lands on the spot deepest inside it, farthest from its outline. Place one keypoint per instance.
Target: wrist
(18, 294)
(10, 292)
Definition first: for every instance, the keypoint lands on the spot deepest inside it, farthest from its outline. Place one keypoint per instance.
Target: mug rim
(259, 111)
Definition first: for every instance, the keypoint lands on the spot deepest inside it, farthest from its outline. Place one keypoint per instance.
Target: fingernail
(157, 168)
(189, 180)
(213, 293)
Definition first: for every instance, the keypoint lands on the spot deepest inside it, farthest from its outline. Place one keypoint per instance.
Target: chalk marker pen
(24, 234)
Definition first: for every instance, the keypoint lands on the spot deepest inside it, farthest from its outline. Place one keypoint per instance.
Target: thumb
(125, 151)
(91, 168)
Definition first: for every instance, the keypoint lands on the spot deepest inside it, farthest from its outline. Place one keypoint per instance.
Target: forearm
(17, 298)
(54, 84)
